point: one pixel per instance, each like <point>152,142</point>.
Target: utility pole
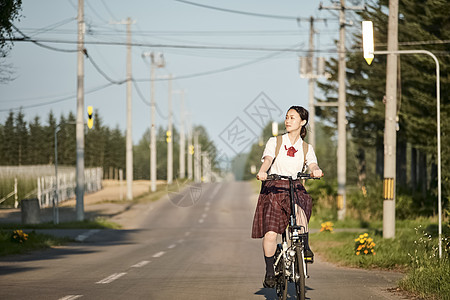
<point>311,85</point>
<point>390,131</point>
<point>152,127</point>
<point>307,71</point>
<point>129,137</point>
<point>197,160</point>
<point>182,137</point>
<point>79,190</point>
<point>156,60</point>
<point>342,120</point>
<point>170,137</point>
<point>190,151</point>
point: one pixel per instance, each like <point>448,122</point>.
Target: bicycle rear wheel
<point>300,276</point>
<point>281,285</point>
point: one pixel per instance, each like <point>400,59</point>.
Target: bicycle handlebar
<point>300,175</point>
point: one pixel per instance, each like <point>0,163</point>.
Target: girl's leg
<point>270,243</point>
<point>303,221</point>
<point>269,248</point>
<point>301,218</point>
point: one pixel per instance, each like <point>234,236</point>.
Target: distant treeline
<point>33,143</point>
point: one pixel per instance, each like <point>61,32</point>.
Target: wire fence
<point>23,182</point>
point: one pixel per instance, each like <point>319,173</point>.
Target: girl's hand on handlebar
<point>261,176</point>
<point>317,173</point>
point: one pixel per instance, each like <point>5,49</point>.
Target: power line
<point>108,10</point>
<point>118,82</point>
<point>271,55</point>
<point>52,27</point>
<point>239,48</point>
<point>57,100</point>
<point>27,38</point>
<point>213,33</point>
<point>248,13</point>
<point>95,12</point>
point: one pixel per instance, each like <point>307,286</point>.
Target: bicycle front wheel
<point>281,280</point>
<point>300,274</point>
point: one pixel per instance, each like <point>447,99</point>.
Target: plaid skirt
<point>273,208</point>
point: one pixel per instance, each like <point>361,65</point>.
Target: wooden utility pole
<point>342,120</point>
<point>390,131</point>
<point>79,190</point>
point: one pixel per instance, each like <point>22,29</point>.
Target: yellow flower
<point>357,253</point>
<point>365,251</point>
<point>366,235</point>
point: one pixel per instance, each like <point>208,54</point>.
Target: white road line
<point>111,278</point>
<point>208,203</point>
<point>85,235</point>
<point>140,264</point>
<point>201,221</point>
<point>187,233</point>
<point>159,254</point>
<point>204,216</point>
<point>71,297</point>
<point>172,246</point>
<point>206,208</point>
<point>180,241</point>
<point>216,189</point>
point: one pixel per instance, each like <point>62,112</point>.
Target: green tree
<point>422,25</point>
<point>9,12</point>
<point>49,132</point>
<point>8,146</point>
<point>95,143</point>
<point>36,145</point>
<point>21,138</point>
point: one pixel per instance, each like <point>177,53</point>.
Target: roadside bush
<point>429,275</point>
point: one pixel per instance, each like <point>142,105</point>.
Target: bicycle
<point>290,262</point>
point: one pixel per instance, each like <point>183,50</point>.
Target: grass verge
<point>34,241</point>
<point>97,223</point>
<point>413,251</point>
<point>23,243</point>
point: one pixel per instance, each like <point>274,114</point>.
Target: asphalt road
<point>192,245</point>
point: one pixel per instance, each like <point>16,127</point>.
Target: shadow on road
<point>270,294</point>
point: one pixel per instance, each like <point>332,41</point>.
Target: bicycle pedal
<point>309,260</point>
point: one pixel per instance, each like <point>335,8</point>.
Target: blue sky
<point>215,100</point>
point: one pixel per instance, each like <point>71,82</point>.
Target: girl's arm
<point>315,170</point>
<point>262,174</point>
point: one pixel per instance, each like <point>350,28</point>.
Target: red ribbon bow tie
<point>290,151</point>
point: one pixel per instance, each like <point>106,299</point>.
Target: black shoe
<point>309,256</point>
<point>269,281</point>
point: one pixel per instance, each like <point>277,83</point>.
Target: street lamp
<point>371,52</point>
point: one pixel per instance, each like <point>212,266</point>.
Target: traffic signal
<point>168,136</point>
<point>191,149</point>
<point>90,121</point>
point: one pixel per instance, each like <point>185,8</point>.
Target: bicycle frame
<point>288,257</point>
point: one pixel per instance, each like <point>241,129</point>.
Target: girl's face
<point>293,121</point>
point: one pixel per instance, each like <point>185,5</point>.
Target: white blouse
<point>284,164</point>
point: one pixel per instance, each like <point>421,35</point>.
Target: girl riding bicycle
<point>273,208</point>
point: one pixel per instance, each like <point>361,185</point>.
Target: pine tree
<point>8,145</point>
<point>36,146</point>
<point>49,132</point>
<point>22,136</point>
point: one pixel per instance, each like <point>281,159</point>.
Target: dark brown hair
<point>304,115</point>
